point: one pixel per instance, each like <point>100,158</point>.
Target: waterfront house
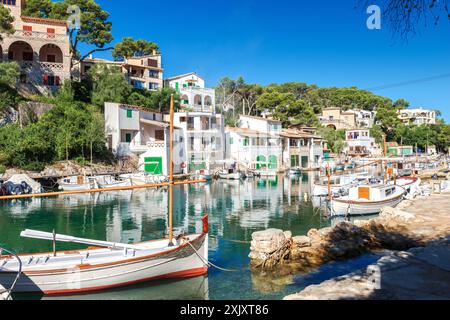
<point>144,72</point>
<point>194,95</point>
<point>40,47</point>
<point>359,143</point>
<point>301,149</point>
<point>393,149</point>
<point>417,116</point>
<point>203,128</point>
<point>142,132</point>
<point>255,143</point>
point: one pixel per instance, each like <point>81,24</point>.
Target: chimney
<point>154,52</point>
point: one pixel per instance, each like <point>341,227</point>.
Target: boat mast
<point>171,173</point>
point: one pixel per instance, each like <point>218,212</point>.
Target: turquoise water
<point>236,210</point>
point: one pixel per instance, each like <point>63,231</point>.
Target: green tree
<point>335,139</point>
<point>129,48</point>
<point>9,73</point>
<point>109,85</point>
<point>38,8</point>
<point>6,21</point>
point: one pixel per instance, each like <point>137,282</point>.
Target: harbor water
<point>236,209</point>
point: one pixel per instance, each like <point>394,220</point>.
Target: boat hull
<point>230,176</point>
<point>179,262</point>
<point>340,207</point>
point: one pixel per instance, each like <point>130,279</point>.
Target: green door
<point>153,165</point>
<point>273,162</point>
<point>260,162</point>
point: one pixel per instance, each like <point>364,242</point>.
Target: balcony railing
<point>44,66</point>
<point>23,34</point>
<point>197,108</point>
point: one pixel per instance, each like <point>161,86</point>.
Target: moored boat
<point>367,199</point>
<point>230,175</point>
<point>75,183</point>
<point>295,171</point>
<point>203,174</point>
<point>142,178</point>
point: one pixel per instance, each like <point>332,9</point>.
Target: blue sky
<point>318,42</point>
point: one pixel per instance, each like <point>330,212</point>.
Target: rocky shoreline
<point>414,223</point>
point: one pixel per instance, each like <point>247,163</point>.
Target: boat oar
<point>64,238</point>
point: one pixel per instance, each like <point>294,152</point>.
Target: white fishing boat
<point>408,182</point>
<point>230,175</point>
<point>112,266</point>
<point>367,199</point>
<point>108,182</point>
<point>75,183</point>
<point>143,178</point>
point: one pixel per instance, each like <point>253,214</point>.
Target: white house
<point>255,143</point>
<point>142,132</point>
<point>417,116</point>
<point>194,95</point>
<point>203,138</point>
<point>301,149</point>
<point>358,142</point>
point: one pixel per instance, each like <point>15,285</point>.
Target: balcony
<point>196,108</point>
<point>23,34</point>
<point>46,67</point>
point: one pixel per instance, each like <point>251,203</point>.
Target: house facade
<point>359,143</point>
<point>336,119</point>
<point>255,144</point>
<point>194,95</point>
<point>393,149</point>
<point>203,138</point>
<point>136,131</point>
<point>144,72</point>
<point>40,47</point>
<point>301,149</point>
<point>417,116</point>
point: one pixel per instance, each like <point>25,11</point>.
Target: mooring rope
<point>210,264</point>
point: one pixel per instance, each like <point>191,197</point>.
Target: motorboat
<point>109,182</point>
<point>75,183</point>
<point>143,178</point>
<point>230,175</point>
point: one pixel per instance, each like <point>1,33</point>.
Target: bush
<point>2,169</point>
<point>34,166</point>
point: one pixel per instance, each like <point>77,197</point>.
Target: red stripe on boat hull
<point>191,273</point>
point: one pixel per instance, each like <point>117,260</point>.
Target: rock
<point>302,241</point>
<point>288,235</point>
<point>313,233</point>
<point>389,212</point>
<point>267,241</point>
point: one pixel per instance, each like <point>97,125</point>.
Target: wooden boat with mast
<point>107,264</point>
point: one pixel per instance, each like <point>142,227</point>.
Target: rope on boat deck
<point>210,264</point>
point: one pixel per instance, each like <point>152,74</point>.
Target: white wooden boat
<point>367,199</point>
<point>108,182</point>
<point>113,265</point>
<point>228,175</point>
<point>142,178</point>
<point>409,182</point>
<point>266,173</point>
<point>75,183</point>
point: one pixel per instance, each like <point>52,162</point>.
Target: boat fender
<point>184,165</point>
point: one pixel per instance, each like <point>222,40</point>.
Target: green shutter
<point>128,137</point>
<point>129,113</point>
<point>231,140</point>
<point>176,86</point>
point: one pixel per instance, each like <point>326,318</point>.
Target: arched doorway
<point>331,126</point>
<point>20,51</point>
<point>50,53</point>
<point>208,101</point>
<point>185,100</point>
<point>198,100</point>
